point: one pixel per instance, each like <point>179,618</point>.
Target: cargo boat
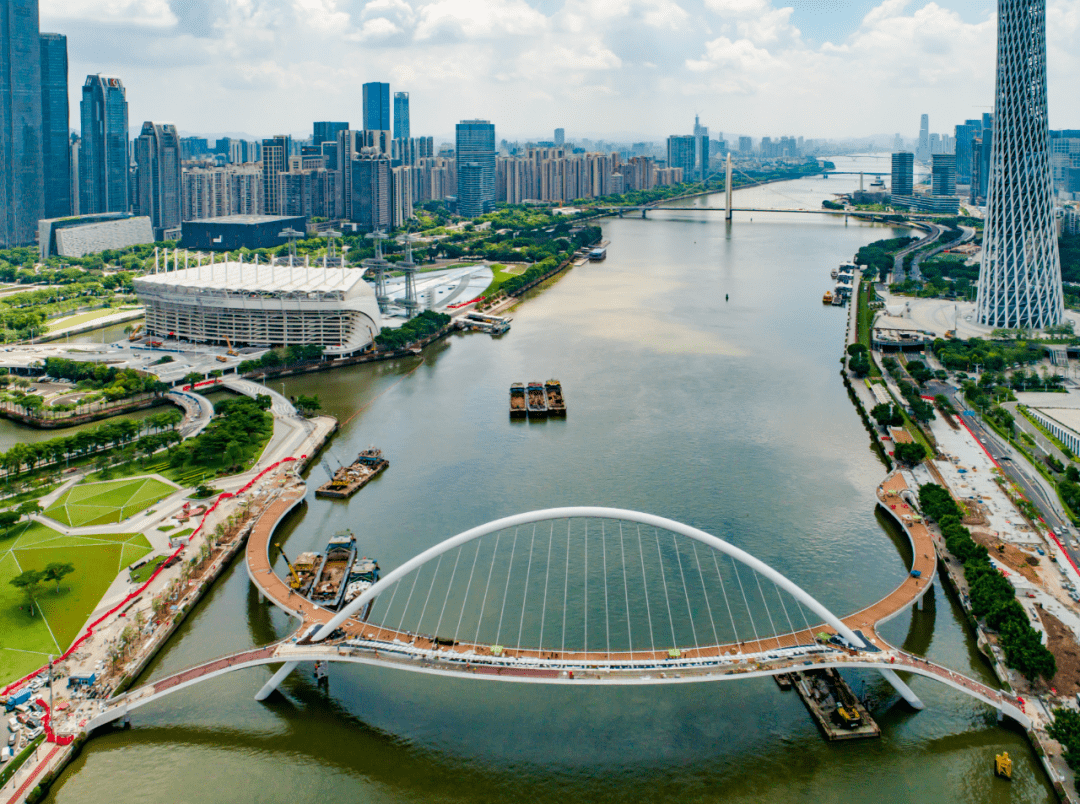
<point>350,479</point>
<point>364,573</point>
<point>556,405</point>
<point>304,571</point>
<point>827,298</point>
<point>517,401</point>
<point>328,590</point>
<point>537,401</point>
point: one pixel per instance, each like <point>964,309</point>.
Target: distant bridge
<point>855,213</point>
<point>584,596</point>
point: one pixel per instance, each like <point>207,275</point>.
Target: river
<point>727,415</point>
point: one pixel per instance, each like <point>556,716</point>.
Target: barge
<point>536,405</point>
<point>556,405</point>
<point>350,479</point>
<point>363,575</point>
<point>517,401</point>
<point>329,588</point>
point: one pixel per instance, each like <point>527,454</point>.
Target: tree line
<point>992,597</point>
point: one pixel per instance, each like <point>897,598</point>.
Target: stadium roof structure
<point>237,277</point>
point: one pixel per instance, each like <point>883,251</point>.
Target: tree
<point>883,413</point>
<point>193,377</point>
<point>308,405</point>
<point>29,507</point>
<point>910,453</point>
<point>28,581</point>
<point>57,571</point>
<point>9,518</point>
<point>1072,473</point>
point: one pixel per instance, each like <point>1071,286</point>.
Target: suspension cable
<point>802,611</point>
<point>487,587</point>
<point>506,591</point>
<point>705,594</point>
<point>390,605</point>
<point>607,614</point>
<point>765,603</point>
<point>626,592</point>
<point>547,579</point>
<point>742,588</point>
<point>586,585</point>
<point>723,591</point>
<point>566,589</point>
<point>524,599</point>
<point>784,607</point>
<point>468,586</point>
<point>645,586</point>
<point>667,600</point>
<point>449,586</point>
<point>423,611</point>
<point>416,577</point>
<point>686,591</point>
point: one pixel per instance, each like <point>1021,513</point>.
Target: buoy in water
<point>725,297</point>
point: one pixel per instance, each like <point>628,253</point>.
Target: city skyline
<point>744,64</point>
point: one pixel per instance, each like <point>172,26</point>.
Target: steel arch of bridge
<point>588,512</point>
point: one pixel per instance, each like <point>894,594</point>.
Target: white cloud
<point>130,12</point>
<point>462,20</point>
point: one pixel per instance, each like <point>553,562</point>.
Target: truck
<point>17,698</point>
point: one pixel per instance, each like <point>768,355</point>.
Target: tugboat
<point>350,479</point>
<point>329,588</point>
<point>827,298</point>
<point>556,405</point>
<point>517,401</point>
<point>537,401</point>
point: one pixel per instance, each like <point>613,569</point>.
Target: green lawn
<point>500,273</point>
<point>103,503</point>
<point>84,318</point>
<point>25,641</point>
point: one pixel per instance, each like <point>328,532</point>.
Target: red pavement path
<point>25,786</point>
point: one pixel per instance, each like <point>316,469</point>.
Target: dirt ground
<point>1013,557</point>
<point>1062,644</point>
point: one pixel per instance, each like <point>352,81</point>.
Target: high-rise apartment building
<point>943,175</point>
<point>475,154</point>
<point>103,157</point>
<point>401,116</point>
<point>376,106</point>
<point>55,146</point>
<point>372,188</point>
<point>275,160</point>
<point>746,145</point>
<point>21,162</point>
<point>680,154</point>
<point>157,156</point>
<point>703,155</point>
<point>560,137</point>
<point>1020,280</point>
<point>327,131</point>
<point>903,173</point>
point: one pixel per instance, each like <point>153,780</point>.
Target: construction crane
<point>230,351</point>
<point>295,582</point>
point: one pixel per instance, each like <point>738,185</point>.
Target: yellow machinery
<point>1003,765</point>
<point>849,717</point>
<point>294,580</point>
<point>230,351</point>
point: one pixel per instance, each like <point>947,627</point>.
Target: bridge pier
<point>903,689</point>
<point>277,678</point>
<point>643,213</point>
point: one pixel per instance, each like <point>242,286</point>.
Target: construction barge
<point>839,714</point>
<point>537,400</point>
<point>350,479</point>
<point>333,579</point>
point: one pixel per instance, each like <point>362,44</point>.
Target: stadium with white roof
<point>262,305</point>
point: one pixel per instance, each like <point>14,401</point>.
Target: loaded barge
<point>537,401</point>
<point>517,401</point>
<point>350,479</point>
<point>329,588</point>
<point>556,406</point>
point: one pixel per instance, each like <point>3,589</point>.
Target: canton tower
<point>1020,280</point>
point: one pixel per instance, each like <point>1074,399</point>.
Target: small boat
<point>1003,765</point>
<point>827,298</point>
<point>537,401</point>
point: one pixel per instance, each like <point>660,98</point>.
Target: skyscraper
<point>401,116</point>
<point>703,155</point>
<point>327,131</point>
<point>475,167</point>
<point>903,173</point>
<point>560,137</point>
<point>275,160</point>
<point>21,166</point>
<point>157,154</point>
<point>103,156</point>
<point>680,154</point>
<point>1020,280</point>
<point>922,153</point>
<point>943,175</point>
<point>376,103</point>
<point>55,146</point>
<point>965,136</point>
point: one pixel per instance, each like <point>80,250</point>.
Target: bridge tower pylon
<point>727,175</point>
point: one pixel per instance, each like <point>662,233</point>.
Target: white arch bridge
<point>576,596</point>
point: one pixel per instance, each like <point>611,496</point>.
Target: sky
<point>616,69</point>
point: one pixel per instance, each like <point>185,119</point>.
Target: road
<point>898,261</point>
<point>1015,466</point>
